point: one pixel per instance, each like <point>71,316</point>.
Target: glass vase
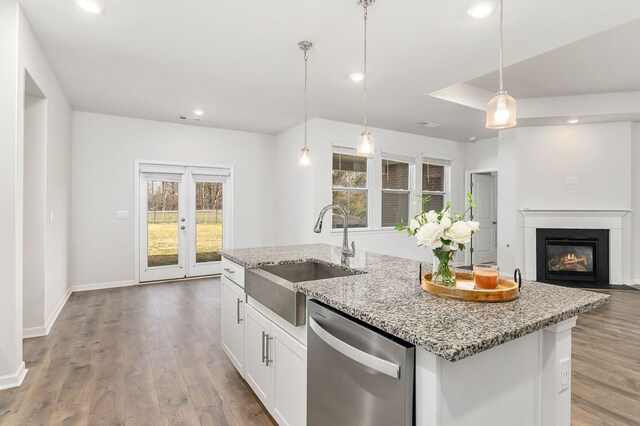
<point>443,272</point>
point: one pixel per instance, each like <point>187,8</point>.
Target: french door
<point>183,221</point>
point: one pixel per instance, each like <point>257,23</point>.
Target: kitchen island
<point>504,363</point>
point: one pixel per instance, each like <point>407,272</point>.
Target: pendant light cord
<point>501,54</point>
<point>364,80</point>
<point>306,98</point>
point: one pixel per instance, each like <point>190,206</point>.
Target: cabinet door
<point>232,320</point>
<point>289,379</point>
<point>257,372</point>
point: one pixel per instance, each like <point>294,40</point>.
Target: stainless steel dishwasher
<point>356,375</point>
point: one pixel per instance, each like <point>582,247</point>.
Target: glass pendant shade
<point>365,145</point>
<point>501,111</point>
<point>304,159</point>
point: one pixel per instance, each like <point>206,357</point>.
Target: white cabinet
<point>232,318</point>
<point>257,372</point>
<point>289,379</point>
<point>276,369</point>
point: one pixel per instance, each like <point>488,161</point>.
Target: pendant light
<point>305,159</point>
<point>365,145</point>
<point>501,111</point>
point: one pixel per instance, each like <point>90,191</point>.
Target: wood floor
<point>606,363</point>
<point>150,355</point>
<point>144,355</point>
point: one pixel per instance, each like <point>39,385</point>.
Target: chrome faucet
<point>346,251</point>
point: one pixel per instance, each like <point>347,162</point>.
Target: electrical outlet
<point>565,375</point>
<point>571,180</point>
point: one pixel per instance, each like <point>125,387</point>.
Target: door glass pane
<point>208,221</point>
<point>162,223</point>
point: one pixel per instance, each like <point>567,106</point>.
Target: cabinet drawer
<point>233,271</point>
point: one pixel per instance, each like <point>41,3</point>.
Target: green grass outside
<point>162,241</point>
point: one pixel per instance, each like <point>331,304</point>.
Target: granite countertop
<point>389,297</point>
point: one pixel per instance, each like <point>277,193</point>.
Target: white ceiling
<point>238,59</point>
<point>604,63</point>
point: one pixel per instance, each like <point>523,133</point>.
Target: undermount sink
<point>272,286</point>
<point>307,271</point>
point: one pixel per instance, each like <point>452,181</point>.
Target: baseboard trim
<point>15,379</point>
<point>30,332</point>
<point>102,286</point>
<point>41,331</point>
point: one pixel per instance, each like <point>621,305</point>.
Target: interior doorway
<point>484,244</point>
<point>184,219</point>
<point>34,208</point>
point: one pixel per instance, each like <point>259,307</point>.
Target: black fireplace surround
<point>573,256</point>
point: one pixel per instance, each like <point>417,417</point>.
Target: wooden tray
<point>507,290</point>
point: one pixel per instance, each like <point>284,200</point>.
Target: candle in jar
<point>486,276</point>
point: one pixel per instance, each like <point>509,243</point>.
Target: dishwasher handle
<point>378,364</point>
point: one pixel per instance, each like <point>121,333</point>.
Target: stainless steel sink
<point>272,286</point>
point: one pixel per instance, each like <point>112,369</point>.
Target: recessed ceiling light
<point>573,121</point>
<point>90,6</point>
<point>481,10</point>
<point>198,111</point>
<point>356,76</point>
<point>473,139</point>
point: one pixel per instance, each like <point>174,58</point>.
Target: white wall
<point>11,229</point>
<point>481,155</point>
<point>533,166</point>
<point>304,191</point>
<point>57,169</point>
<point>104,152</point>
<point>597,154</point>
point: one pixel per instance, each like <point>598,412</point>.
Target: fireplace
<point>573,256</point>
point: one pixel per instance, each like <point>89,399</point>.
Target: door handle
<point>378,364</point>
<point>264,357</point>
<point>238,319</point>
<point>268,354</point>
<point>183,227</point>
<point>182,219</point>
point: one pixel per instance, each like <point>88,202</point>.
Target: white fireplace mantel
<point>575,219</point>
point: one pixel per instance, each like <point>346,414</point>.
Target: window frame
<point>446,193</point>
<point>367,189</point>
<point>410,191</point>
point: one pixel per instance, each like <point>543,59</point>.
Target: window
<point>350,189</point>
<point>435,183</point>
<point>395,192</point>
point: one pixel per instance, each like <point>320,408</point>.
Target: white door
<point>484,243</point>
<point>183,221</point>
<point>163,227</point>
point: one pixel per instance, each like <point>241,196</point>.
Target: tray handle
<point>517,277</point>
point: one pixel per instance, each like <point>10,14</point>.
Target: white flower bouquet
<point>444,234</point>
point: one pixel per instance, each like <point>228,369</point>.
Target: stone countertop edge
<point>441,342</point>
